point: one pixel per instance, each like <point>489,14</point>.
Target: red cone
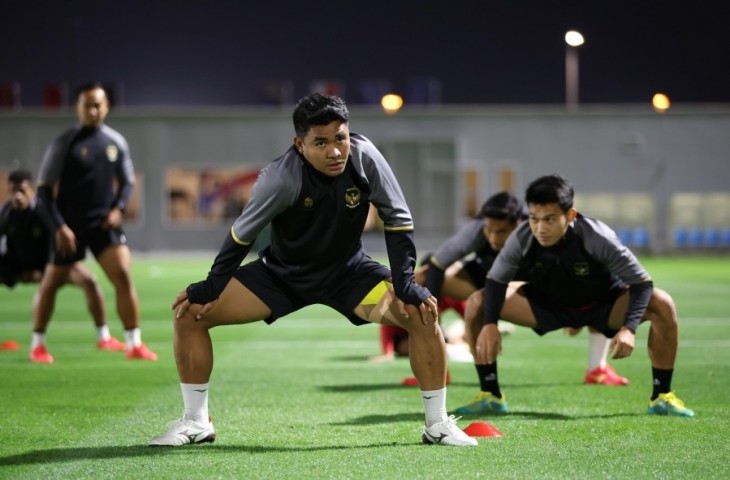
<point>482,429</point>
<point>9,345</point>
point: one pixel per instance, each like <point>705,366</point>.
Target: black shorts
<point>551,316</point>
<point>96,239</point>
<point>346,294</point>
<point>477,272</point>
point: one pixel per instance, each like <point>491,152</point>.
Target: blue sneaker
<point>669,404</point>
<point>485,402</point>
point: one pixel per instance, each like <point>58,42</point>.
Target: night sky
<point>195,52</point>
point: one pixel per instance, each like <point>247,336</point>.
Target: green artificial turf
<point>299,400</point>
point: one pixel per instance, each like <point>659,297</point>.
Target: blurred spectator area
<point>695,220</point>
<point>699,220</point>
<point>207,195</point>
<point>631,215</point>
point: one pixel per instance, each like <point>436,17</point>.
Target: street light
<point>573,40</point>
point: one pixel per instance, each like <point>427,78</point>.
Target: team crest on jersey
<point>581,269</point>
<point>84,152</point>
<point>112,153</point>
<point>352,197</point>
<point>308,203</point>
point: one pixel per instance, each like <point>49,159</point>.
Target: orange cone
<point>9,345</point>
<point>482,429</point>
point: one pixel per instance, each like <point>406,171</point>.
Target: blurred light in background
<point>660,102</point>
<point>574,38</point>
<point>391,103</point>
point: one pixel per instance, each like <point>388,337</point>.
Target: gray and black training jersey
<point>581,269</point>
<point>468,240</point>
<point>317,221</point>
<point>85,162</point>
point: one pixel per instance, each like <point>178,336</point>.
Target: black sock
<point>488,379</point>
<point>662,382</point>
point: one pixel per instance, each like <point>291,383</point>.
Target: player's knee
<point>187,321</point>
<point>473,308</point>
<point>662,307</point>
<point>416,327</point>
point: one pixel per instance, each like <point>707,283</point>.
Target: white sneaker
<point>447,433</point>
<point>182,432</point>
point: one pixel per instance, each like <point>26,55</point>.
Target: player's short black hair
<point>550,189</point>
<point>318,109</point>
<point>91,86</point>
<point>501,206</point>
<point>20,176</point>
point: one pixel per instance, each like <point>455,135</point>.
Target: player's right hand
<point>427,311</point>
<point>182,304</point>
<point>488,344</point>
<point>65,241</point>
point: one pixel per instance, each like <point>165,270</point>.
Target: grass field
<point>298,400</point>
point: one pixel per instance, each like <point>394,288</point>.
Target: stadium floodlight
<point>573,40</point>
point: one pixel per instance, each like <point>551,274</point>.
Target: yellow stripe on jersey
<point>402,228</point>
<point>238,240</point>
<point>374,296</point>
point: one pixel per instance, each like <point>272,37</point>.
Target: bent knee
<point>662,307</point>
<point>189,321</point>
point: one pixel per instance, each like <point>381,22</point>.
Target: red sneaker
<point>10,345</point>
<point>40,355</point>
<point>111,344</point>
<point>605,376</point>
<point>141,352</point>
<point>413,382</point>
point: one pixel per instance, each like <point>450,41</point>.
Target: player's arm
<point>603,244</point>
<point>463,242</point>
<point>271,194</point>
<point>50,175</point>
<point>387,196</point>
<point>230,256</point>
<point>4,218</point>
<point>502,271</point>
<point>124,174</point>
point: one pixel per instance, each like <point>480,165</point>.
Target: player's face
<point>326,147</point>
<point>92,107</point>
<point>496,232</point>
<point>549,222</point>
<point>22,194</point>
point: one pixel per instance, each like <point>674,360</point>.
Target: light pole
<point>573,40</point>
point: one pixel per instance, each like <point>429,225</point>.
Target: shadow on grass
<point>61,455</point>
<point>516,415</point>
<point>367,387</point>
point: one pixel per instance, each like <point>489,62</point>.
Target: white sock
<point>39,338</point>
<point>133,337</point>
<point>597,350</point>
<point>434,402</point>
<point>195,400</point>
<point>102,333</point>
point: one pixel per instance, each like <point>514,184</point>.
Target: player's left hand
<point>113,219</point>
<point>488,345</point>
<point>622,344</point>
<point>427,311</point>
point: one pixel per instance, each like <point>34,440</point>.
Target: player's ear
<point>298,144</point>
<point>572,214</point>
